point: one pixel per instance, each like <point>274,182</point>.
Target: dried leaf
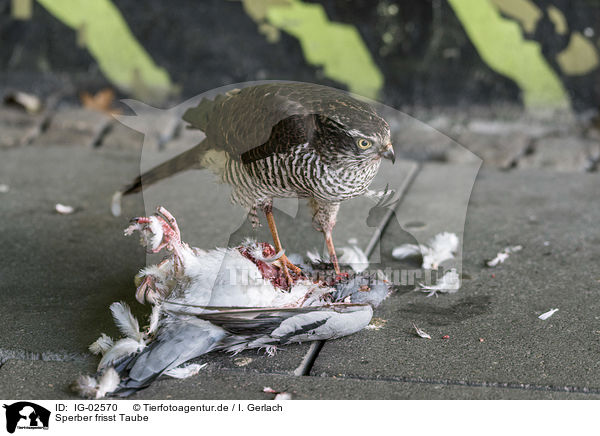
<point>101,101</point>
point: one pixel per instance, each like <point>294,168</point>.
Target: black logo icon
<point>26,415</point>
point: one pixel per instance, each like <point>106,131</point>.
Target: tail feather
<point>182,162</point>
<point>180,343</point>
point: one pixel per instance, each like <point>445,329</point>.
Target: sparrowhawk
<point>285,139</point>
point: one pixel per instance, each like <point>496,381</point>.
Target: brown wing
<point>270,118</point>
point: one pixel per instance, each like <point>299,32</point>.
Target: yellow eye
<point>363,143</point>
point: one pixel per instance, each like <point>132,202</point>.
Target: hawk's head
<point>352,133</point>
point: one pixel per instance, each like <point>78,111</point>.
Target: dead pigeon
<point>225,299</point>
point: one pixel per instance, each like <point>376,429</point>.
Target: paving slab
<point>492,322</point>
<point>53,378</point>
<point>60,272</point>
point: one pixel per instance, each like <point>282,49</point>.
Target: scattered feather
<point>125,321</point>
<point>355,257</point>
<point>448,284</point>
<point>278,395</point>
<point>64,209</point>
<point>115,204</point>
<point>102,344</point>
<point>314,257</point>
<point>154,318</point>
<point>86,386</point>
<point>351,255</point>
<point>4,188</point>
<point>421,333</point>
<point>122,348</point>
<point>187,371</point>
<point>548,314</point>
<point>503,255</point>
<point>109,381</point>
<point>440,248</point>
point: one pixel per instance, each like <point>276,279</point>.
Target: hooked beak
<point>387,152</point>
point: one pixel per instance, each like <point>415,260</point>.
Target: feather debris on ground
<point>421,333</point>
<point>448,284</point>
<point>4,188</point>
<point>546,315</point>
<point>279,396</point>
<point>351,255</point>
<point>225,299</point>
<point>440,248</point>
<point>64,209</point>
<point>503,255</point>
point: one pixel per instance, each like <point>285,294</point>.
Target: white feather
<point>313,256</point>
<point>548,314</point>
<point>448,284</point>
<point>86,386</point>
<point>503,255</point>
<point>156,236</point>
<point>421,333</point>
<point>440,248</point>
<point>185,371</point>
<point>102,344</point>
<point>115,205</point>
<point>125,321</point>
<point>355,257</point>
<point>64,209</point>
<point>407,250</point>
<point>108,382</point>
<point>154,318</point>
<point>122,348</point>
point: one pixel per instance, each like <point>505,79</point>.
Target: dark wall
<point>422,49</point>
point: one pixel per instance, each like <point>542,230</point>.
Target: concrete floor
<point>60,273</point>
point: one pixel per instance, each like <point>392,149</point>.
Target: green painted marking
<point>105,33</point>
<point>338,47</point>
<point>21,9</point>
<point>501,45</point>
<point>579,57</point>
